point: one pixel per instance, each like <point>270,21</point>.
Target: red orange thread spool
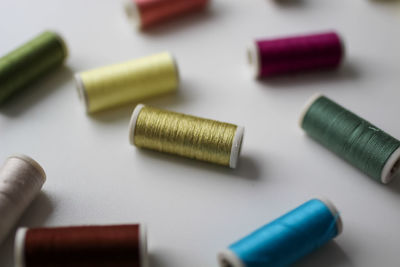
<point>82,246</point>
<point>295,54</point>
<point>146,13</point>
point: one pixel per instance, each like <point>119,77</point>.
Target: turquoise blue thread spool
<point>286,239</point>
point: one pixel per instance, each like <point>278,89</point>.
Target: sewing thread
<point>109,245</point>
<point>286,239</point>
<point>186,135</point>
<point>128,82</point>
<point>295,54</point>
<point>21,179</point>
<point>147,13</point>
<point>29,62</point>
<point>354,139</point>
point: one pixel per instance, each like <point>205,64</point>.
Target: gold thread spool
<point>185,135</point>
<point>131,81</point>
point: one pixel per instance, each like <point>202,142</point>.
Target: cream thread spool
<point>127,82</point>
<point>185,135</point>
<point>21,179</point>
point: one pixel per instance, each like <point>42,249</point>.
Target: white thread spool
<point>21,179</point>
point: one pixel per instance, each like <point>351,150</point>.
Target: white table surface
<point>194,209</point>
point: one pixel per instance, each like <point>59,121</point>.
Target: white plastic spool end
<point>19,247</point>
<point>307,106</point>
<point>391,168</point>
<point>133,14</point>
<point>227,258</point>
<point>253,57</point>
<point>144,262</point>
<point>80,86</point>
<point>236,147</point>
<point>132,123</point>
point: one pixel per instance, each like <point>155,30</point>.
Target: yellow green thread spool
<point>185,135</point>
<point>127,82</point>
<point>29,62</point>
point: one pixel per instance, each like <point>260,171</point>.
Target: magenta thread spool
<point>273,57</point>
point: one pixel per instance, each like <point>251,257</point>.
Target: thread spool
<point>295,54</point>
<point>21,179</point>
<point>113,246</point>
<point>185,135</point>
<point>286,239</point>
<point>354,139</point>
<point>147,13</point>
<point>123,83</point>
<point>29,62</point>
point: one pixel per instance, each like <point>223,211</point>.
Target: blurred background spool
<point>112,246</point>
<point>147,13</point>
<point>286,239</point>
<point>21,179</point>
<point>186,135</point>
<point>295,54</point>
<point>354,139</point>
<point>128,82</point>
<point>29,62</point>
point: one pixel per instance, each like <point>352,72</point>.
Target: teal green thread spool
<point>29,62</point>
<point>356,140</point>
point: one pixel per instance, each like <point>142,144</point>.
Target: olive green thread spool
<point>185,135</point>
<point>30,62</point>
<point>354,139</point>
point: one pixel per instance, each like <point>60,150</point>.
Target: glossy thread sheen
<point>153,12</point>
<point>288,238</point>
<point>299,53</point>
<point>184,135</point>
<point>29,62</point>
<point>128,82</point>
<point>83,246</point>
<point>359,142</point>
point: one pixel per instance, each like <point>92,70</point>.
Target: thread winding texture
<point>81,246</point>
<point>21,179</point>
<point>29,62</point>
<point>185,135</point>
<point>356,140</point>
<point>127,82</point>
<point>295,54</point>
<point>147,13</point>
<point>286,239</point>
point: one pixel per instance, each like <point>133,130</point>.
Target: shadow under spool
<point>286,239</point>
<point>82,246</point>
<point>354,139</point>
<point>186,135</point>
<point>21,179</point>
<point>147,13</point>
<point>272,57</point>
<point>29,62</point>
<point>123,83</point>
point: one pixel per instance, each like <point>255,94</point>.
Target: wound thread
<point>21,179</point>
<point>185,135</point>
<point>354,139</point>
<point>81,246</point>
<point>279,56</point>
<point>128,82</point>
<point>148,13</point>
<point>29,62</point>
<point>286,239</point>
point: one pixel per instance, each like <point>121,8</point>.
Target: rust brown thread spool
<point>82,246</point>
